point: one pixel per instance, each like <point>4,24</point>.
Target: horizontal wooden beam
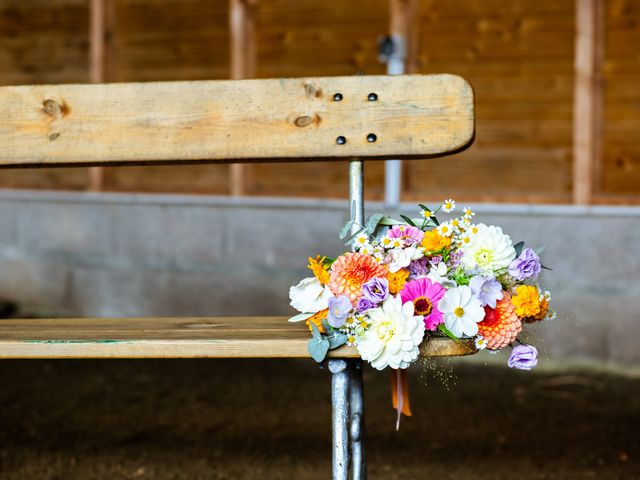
<point>222,337</point>
<point>235,121</point>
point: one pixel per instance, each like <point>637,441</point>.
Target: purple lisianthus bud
<point>523,357</point>
<point>376,290</point>
<point>365,304</point>
<point>525,266</point>
<point>486,289</point>
<point>339,308</point>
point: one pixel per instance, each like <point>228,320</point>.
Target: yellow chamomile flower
<point>366,249</point>
<point>456,224</point>
<point>396,243</point>
<point>386,242</point>
<point>445,229</point>
<point>464,239</point>
<point>480,342</point>
<point>449,205</point>
<point>467,213</point>
<point>426,213</point>
<point>472,230</point>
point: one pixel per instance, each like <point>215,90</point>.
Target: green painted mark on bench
<point>74,341</point>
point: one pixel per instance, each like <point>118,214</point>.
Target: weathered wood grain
<point>223,337</point>
<point>244,120</point>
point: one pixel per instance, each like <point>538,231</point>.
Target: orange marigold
<point>352,270</point>
<point>397,280</point>
<point>501,325</point>
<point>316,265</point>
<point>544,309</point>
<point>527,301</point>
<point>432,241</point>
<point>317,320</point>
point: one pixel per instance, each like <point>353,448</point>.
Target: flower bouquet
<point>406,280</point>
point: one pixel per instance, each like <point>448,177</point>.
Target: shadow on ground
<point>247,419</point>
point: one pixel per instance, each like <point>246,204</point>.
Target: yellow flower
<point>527,301</point>
<point>316,265</point>
<point>397,280</point>
<point>317,320</point>
<point>544,309</point>
<point>432,241</point>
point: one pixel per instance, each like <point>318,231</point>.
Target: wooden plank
<point>243,65</point>
<point>587,109</point>
<point>223,337</point>
<point>246,120</point>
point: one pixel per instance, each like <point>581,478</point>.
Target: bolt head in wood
<point>371,137</point>
<point>341,140</point>
<point>337,97</point>
<point>373,97</point>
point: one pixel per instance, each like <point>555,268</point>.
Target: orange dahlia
<point>501,325</point>
<point>352,270</point>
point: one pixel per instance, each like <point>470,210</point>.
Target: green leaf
<point>372,222</point>
<point>388,221</point>
<point>435,221</point>
<point>300,317</point>
<point>518,247</point>
<point>408,220</point>
<point>424,207</point>
<point>336,340</point>
<point>345,229</point>
<point>448,333</point>
<point>318,348</point>
<point>354,235</point>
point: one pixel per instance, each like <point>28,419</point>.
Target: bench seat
<point>171,337</point>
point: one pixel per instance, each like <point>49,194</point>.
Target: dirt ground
<point>246,419</point>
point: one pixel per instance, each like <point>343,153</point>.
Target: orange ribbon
<point>400,394</point>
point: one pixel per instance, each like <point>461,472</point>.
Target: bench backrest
<point>369,117</point>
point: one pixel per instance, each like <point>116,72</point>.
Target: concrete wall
<point>84,254</point>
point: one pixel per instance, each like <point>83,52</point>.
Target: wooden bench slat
<point>209,337</point>
<point>234,121</point>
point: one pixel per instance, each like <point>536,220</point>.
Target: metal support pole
<point>356,193</point>
<point>340,400</point>
<point>358,433</point>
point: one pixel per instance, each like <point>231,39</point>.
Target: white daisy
<point>360,240</point>
<point>445,229</point>
<point>426,213</point>
<point>386,242</point>
<point>481,343</point>
<point>397,243</point>
<point>467,213</point>
<point>449,205</point>
<point>461,311</point>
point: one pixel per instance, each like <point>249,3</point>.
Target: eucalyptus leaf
<point>336,340</point>
<point>318,348</point>
<point>540,250</point>
<point>300,317</point>
<point>353,235</point>
<point>518,247</point>
<point>372,222</point>
<point>345,229</point>
<point>546,268</point>
<point>314,331</point>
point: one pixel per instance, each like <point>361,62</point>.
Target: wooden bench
<point>334,118</point>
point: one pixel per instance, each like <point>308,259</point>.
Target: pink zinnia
<point>425,296</point>
<point>406,232</point>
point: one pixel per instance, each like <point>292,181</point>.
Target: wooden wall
<point>518,54</point>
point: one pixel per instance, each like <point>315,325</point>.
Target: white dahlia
<point>487,250</point>
<point>393,336</point>
<point>310,296</point>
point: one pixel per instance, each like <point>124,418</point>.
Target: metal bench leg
<point>340,400</point>
<point>358,432</point>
